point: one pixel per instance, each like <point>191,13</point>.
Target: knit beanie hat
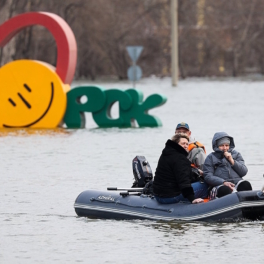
<point>221,141</point>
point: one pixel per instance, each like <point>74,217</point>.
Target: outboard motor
<point>142,171</point>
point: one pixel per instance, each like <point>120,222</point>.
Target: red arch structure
<point>62,33</point>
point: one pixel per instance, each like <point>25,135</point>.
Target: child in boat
<point>172,181</point>
<point>225,167</point>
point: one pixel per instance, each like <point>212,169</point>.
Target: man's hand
<point>228,156</point>
<point>229,184</point>
<point>198,200</point>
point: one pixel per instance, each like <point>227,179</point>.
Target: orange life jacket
<point>193,145</point>
<point>196,144</point>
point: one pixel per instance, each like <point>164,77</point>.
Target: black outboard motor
<point>142,171</point>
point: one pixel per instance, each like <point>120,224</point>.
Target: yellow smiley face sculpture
<point>31,95</point>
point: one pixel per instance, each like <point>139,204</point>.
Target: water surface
<point>43,171</point>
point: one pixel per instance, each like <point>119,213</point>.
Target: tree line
<point>216,38</point>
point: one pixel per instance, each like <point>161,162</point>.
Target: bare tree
<point>215,37</point>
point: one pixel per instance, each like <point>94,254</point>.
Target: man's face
<point>224,147</point>
<point>183,130</point>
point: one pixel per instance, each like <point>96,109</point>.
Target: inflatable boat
<point>126,204</point>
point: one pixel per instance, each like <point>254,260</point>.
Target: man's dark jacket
<point>173,173</point>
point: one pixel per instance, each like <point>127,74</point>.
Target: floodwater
<point>43,171</point>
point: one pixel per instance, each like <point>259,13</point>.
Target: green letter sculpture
<point>139,109</point>
<point>74,116</point>
<point>103,117</point>
<point>131,107</point>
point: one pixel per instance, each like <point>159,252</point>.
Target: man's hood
<point>219,135</point>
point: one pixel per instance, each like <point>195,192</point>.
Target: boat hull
<point>112,205</point>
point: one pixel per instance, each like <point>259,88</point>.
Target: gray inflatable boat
<point>125,205</point>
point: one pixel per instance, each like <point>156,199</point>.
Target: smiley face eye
<point>11,101</point>
<point>27,87</point>
<point>24,100</point>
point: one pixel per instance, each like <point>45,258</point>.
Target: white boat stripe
<point>157,217</point>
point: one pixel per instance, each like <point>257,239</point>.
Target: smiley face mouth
<point>29,106</point>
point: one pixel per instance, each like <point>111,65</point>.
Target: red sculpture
<point>64,37</point>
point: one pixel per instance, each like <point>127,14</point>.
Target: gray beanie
<point>221,141</point>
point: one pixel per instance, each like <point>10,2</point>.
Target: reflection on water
<point>180,228</point>
<point>44,170</point>
<point>4,132</point>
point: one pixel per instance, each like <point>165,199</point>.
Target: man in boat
<point>225,167</point>
<point>173,178</point>
<point>197,153</point>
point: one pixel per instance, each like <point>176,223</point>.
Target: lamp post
<point>174,42</point>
